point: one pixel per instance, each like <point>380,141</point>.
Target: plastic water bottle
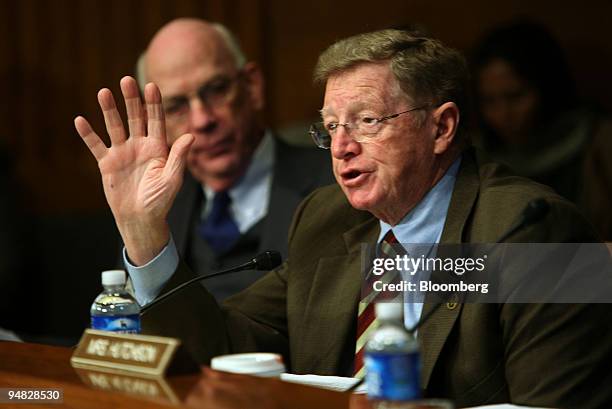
<point>392,359</point>
<point>115,309</point>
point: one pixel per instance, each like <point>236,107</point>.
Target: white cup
<point>262,364</point>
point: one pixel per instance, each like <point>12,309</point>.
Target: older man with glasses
<point>393,117</point>
<point>243,182</point>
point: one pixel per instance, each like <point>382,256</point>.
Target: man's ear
<point>446,118</point>
<point>255,85</point>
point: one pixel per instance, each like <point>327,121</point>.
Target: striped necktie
<point>366,318</point>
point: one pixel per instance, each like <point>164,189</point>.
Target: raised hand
<point>140,175</point>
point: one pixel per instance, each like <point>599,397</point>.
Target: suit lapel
<point>185,211</point>
<point>283,202</point>
<point>331,310</point>
<point>434,333</point>
<point>289,187</point>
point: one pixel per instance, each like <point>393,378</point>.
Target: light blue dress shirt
<point>251,195</point>
<point>250,200</point>
<point>422,227</point>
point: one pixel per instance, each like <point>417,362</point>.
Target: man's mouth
<point>213,149</point>
<point>353,177</point>
<point>352,174</point>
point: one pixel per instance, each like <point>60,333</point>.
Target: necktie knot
<point>221,199</point>
<point>219,229</point>
<point>390,237</point>
<point>389,246</point>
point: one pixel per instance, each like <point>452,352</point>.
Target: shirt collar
<point>250,195</point>
<point>425,222</point>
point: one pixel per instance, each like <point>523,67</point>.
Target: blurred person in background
<point>530,118</point>
<point>243,182</point>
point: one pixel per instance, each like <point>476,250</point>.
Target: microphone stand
<point>264,261</point>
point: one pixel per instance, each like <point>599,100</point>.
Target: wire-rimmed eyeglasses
<point>214,93</point>
<point>360,129</point>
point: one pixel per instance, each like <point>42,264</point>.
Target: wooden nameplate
<point>142,354</point>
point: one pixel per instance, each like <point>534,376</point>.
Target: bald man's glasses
<point>214,94</point>
<point>360,129</point>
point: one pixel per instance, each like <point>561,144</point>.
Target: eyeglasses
<point>360,129</point>
<point>215,93</point>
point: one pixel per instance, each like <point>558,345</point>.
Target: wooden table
<point>25,365</point>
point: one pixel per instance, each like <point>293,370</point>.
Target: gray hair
<point>232,44</point>
<point>228,38</point>
<point>428,72</point>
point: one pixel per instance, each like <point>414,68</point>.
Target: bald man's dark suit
<point>297,171</point>
<point>549,355</point>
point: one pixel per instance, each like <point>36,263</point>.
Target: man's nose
<point>343,146</point>
<point>201,116</point>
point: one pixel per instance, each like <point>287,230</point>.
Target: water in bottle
<point>392,359</point>
<point>115,309</point>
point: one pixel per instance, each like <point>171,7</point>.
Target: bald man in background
<point>243,183</point>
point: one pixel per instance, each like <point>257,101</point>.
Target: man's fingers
<point>114,126</point>
<point>91,139</point>
<point>175,166</point>
<point>133,106</point>
<point>156,125</point>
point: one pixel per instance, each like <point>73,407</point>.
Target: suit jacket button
<point>451,305</point>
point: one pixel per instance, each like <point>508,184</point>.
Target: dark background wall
<point>56,54</point>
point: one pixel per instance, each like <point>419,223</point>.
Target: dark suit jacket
<point>537,354</point>
<point>297,172</point>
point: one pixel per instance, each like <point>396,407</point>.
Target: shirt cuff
<point>149,279</point>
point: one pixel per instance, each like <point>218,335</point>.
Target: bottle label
<point>393,376</point>
<point>125,324</point>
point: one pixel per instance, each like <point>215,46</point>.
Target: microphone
<point>532,213</point>
<point>264,261</point>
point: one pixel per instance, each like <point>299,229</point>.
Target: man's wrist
<point>149,279</point>
<point>143,241</point>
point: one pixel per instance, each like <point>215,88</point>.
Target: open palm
<point>140,175</point>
